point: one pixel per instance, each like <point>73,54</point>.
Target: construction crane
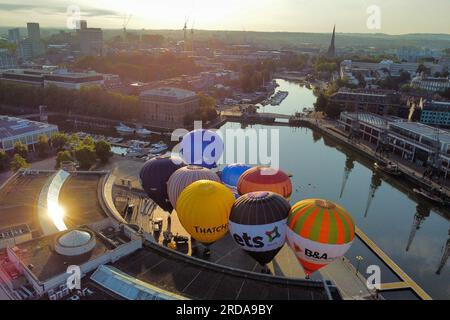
<point>374,185</point>
<point>446,254</point>
<point>186,20</point>
<point>126,21</point>
<point>192,36</point>
<point>349,165</point>
<point>422,212</point>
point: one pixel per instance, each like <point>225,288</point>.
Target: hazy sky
<point>397,16</point>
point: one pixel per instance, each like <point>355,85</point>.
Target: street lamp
<point>359,258</point>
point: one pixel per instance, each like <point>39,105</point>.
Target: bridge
<point>262,115</point>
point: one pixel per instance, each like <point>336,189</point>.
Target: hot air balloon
<point>204,208</point>
<point>230,176</point>
<point>183,177</point>
<point>258,224</point>
<point>154,176</point>
<point>265,179</point>
<point>319,231</point>
<point>202,147</point>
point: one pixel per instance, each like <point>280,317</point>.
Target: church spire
<point>332,48</point>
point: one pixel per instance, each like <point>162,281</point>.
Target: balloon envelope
<point>231,173</point>
<point>204,208</point>
<point>319,231</point>
<point>258,224</point>
<point>154,176</point>
<point>265,179</point>
<point>202,147</point>
<point>183,177</point>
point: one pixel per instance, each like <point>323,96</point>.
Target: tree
<point>21,149</point>
<point>74,140</point>
<point>42,145</point>
<point>103,150</point>
<point>3,159</point>
<point>422,68</point>
<point>321,103</point>
<point>59,140</point>
<point>18,162</point>
<point>63,156</point>
<point>85,155</point>
<point>88,141</point>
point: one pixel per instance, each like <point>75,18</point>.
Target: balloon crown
<point>194,167</point>
<point>325,204</point>
<point>258,195</point>
<point>206,187</point>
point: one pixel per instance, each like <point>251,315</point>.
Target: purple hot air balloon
<point>154,176</point>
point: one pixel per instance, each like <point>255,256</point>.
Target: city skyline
<point>350,16</point>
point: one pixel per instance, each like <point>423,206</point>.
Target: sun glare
<point>56,214</point>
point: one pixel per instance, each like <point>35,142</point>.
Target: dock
<point>406,283</point>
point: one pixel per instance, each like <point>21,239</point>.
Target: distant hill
<point>292,39</point>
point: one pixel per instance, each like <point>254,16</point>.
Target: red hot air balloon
<point>265,179</point>
<point>319,232</point>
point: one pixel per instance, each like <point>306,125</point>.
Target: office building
<point>380,102</point>
<point>90,39</point>
<point>34,36</point>
<point>436,113</point>
<point>168,106</point>
<point>59,78</point>
<point>14,35</point>
<point>7,59</point>
<point>432,84</point>
<point>13,130</point>
<point>412,141</point>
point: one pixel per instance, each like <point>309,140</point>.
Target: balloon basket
<point>206,252</point>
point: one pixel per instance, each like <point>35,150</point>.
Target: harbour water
<point>407,229</point>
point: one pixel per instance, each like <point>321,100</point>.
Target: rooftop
<point>373,119</point>
<point>197,279</point>
<point>39,256</point>
<point>424,130</point>
<point>169,93</point>
<point>11,127</point>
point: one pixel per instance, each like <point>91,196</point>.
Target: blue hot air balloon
<point>230,176</point>
<point>202,147</point>
<point>154,176</point>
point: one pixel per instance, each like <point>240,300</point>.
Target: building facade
<point>7,59</point>
<point>168,106</point>
<point>59,78</point>
<point>380,102</point>
<point>13,130</point>
<point>90,39</point>
<point>432,84</point>
<point>14,35</point>
<point>436,113</point>
<point>34,36</point>
<point>412,141</point>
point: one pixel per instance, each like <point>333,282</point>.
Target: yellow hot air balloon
<point>204,208</point>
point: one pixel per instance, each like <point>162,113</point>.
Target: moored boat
<point>124,130</point>
<point>142,132</point>
<point>389,168</point>
<point>429,195</point>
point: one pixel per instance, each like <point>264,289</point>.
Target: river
<point>385,209</point>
